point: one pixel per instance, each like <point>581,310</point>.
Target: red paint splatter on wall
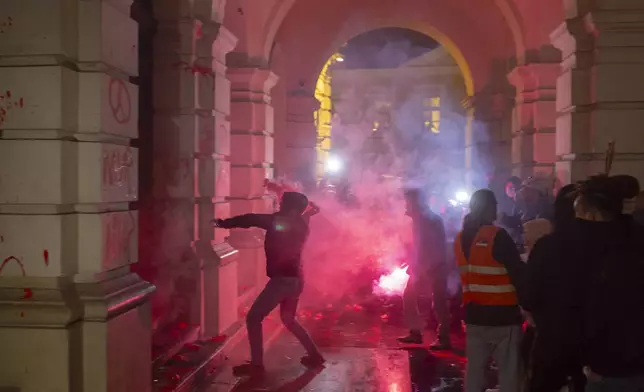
<point>28,294</point>
<point>194,69</point>
<point>45,255</point>
<point>7,104</point>
<point>198,30</point>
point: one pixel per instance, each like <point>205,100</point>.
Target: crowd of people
<point>552,287</point>
<point>580,287</point>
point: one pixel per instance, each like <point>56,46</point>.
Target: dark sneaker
<point>248,370</point>
<point>441,345</point>
<point>312,361</point>
<point>413,338</point>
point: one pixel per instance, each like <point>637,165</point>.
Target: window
<point>432,114</point>
<point>434,102</point>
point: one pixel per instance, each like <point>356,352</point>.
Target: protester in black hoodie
<point>286,233</point>
<point>554,299</point>
<point>614,258</point>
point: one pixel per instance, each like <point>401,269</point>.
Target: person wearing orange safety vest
<point>491,271</point>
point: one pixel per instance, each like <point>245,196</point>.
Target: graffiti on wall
<point>118,230</point>
<point>18,262</point>
<point>8,103</point>
<point>117,170</point>
<point>120,101</point>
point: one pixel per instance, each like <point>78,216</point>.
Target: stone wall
<point>69,303</point>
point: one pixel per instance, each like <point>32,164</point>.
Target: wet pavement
<point>362,356</point>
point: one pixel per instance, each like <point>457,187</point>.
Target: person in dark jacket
<point>427,266</point>
<point>638,214</point>
<point>492,275</point>
<point>532,201</point>
<point>553,299</point>
<point>286,233</point>
<point>614,296</point>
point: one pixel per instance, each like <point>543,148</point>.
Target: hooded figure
<point>286,233</point>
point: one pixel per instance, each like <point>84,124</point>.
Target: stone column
<point>487,146</point>
<point>301,159</point>
<point>534,118</point>
<point>600,92</point>
<point>251,162</point>
<point>73,315</point>
<point>194,268</point>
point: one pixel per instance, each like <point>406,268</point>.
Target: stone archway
<point>410,92</point>
<point>69,162</point>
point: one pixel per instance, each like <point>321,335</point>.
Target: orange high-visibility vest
<point>485,280</point>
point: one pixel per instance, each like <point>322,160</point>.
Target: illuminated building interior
<point>324,115</point>
<point>126,126</point>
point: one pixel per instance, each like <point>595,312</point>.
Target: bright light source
<point>462,196</point>
<point>393,283</point>
<point>454,203</point>
<point>340,59</point>
<point>333,165</point>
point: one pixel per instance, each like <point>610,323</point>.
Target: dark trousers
<point>552,367</point>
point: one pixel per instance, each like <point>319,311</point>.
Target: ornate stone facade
<point>127,126</point>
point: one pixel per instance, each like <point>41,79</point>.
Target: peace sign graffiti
<point>120,102</point>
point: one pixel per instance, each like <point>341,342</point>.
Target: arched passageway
<point>133,117</point>
<point>386,96</point>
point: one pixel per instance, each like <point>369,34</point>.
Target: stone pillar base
<point>76,336</point>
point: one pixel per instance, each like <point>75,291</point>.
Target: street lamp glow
<point>462,196</point>
<point>334,165</point>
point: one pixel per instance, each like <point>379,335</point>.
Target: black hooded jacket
<point>586,293</point>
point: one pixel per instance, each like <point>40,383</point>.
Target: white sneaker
<point>492,390</point>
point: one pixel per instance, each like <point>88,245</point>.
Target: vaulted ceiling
<point>480,35</point>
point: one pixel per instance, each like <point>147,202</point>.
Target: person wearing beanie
<point>492,276</point>
<point>286,233</point>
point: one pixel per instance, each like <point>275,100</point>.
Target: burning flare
<point>393,283</point>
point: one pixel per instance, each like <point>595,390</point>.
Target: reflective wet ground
<point>362,356</point>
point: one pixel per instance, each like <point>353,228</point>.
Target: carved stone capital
<point>251,79</point>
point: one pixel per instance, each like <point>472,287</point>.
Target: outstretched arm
<point>263,221</point>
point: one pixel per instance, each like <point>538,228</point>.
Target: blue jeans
<point>606,384</point>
